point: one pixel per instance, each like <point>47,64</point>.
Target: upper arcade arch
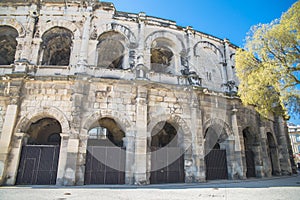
<point>56,46</point>
<point>8,44</point>
<point>14,24</point>
<point>61,23</point>
<point>130,36</point>
<point>210,46</point>
<point>111,50</point>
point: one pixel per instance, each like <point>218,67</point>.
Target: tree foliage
<point>269,69</point>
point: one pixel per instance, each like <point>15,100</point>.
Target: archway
<point>106,155</point>
<point>8,45</point>
<point>40,152</point>
<point>167,157</point>
<point>273,154</point>
<point>215,146</point>
<point>249,144</point>
<point>162,56</point>
<point>111,50</point>
<point>56,47</point>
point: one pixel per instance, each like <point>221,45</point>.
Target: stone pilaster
<point>83,57</point>
<point>129,168</point>
<point>197,143</point>
<point>238,168</point>
<point>15,152</point>
<point>67,161</point>
<point>6,138</point>
<point>228,66</point>
<point>284,158</point>
<point>141,137</point>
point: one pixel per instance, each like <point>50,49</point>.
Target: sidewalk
<point>275,188</point>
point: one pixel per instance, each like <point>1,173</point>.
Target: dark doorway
<point>215,158</point>
<point>38,165</point>
<point>39,156</point>
<point>272,153</point>
<point>216,164</point>
<point>106,156</point>
<point>167,159</point>
<point>249,141</point>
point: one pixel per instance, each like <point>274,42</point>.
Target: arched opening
<point>56,47</point>
<point>162,56</point>
<point>249,144</point>
<point>215,153</point>
<point>111,50</point>
<point>272,154</point>
<point>8,45</point>
<point>105,158</point>
<point>167,157</point>
<point>40,153</point>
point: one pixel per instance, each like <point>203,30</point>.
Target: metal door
<point>250,164</point>
<point>167,170</point>
<point>216,165</point>
<point>105,165</point>
<point>38,165</point>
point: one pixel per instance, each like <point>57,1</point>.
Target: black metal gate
<point>165,168</point>
<point>216,165</point>
<point>38,165</point>
<point>250,164</point>
<point>105,165</point>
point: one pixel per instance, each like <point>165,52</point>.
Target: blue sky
<point>230,19</point>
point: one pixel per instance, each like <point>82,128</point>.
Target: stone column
<point>141,137</point>
<point>66,174</point>
<point>62,158</point>
<point>35,50</point>
<point>229,64</point>
<point>15,154</point>
<point>284,159</point>
<point>238,168</point>
<point>197,143</point>
<point>129,168</point>
<point>267,166</point>
<point>6,137</point>
<point>82,62</point>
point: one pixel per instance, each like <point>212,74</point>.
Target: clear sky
<point>230,19</point>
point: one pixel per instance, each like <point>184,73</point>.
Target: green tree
<point>269,69</point>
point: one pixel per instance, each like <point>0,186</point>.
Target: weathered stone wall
<point>189,83</point>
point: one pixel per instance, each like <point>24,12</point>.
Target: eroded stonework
<point>84,77</point>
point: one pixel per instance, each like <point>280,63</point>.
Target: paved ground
<point>283,188</point>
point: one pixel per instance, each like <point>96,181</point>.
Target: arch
<point>111,50</point>
<point>208,45</point>
<point>218,123</point>
<point>56,46</point>
<point>120,119</point>
<point>8,44</point>
<point>174,120</point>
<point>64,24</point>
<point>118,28</point>
<point>165,34</point>
<point>15,24</point>
<point>33,116</point>
<point>168,150</point>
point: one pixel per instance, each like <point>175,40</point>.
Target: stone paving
<point>283,188</point>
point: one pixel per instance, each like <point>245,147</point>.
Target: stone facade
<point>71,66</point>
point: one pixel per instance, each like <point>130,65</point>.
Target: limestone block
<point>73,146</point>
